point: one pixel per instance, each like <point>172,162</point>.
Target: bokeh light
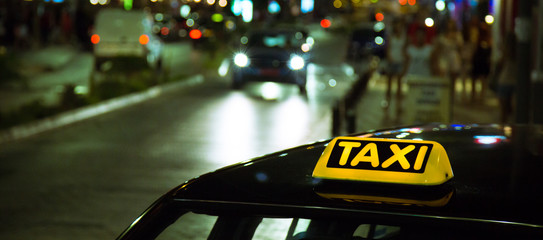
<point>451,6</point>
<point>155,29</point>
<point>325,23</point>
<point>182,33</point>
<point>307,6</point>
<point>159,17</point>
<point>195,34</point>
<point>241,60</point>
<point>310,40</point>
<point>95,38</point>
<point>338,3</point>
<point>144,39</point>
<point>184,11</point>
<point>429,22</point>
<point>489,19</point>
<point>217,17</point>
<point>306,47</point>
<point>380,26</point>
<point>379,40</point>
<point>274,7</point>
<point>190,22</point>
<point>440,5</point>
<point>379,17</point>
<point>244,40</point>
<point>165,31</point>
<point>236,7</point>
<point>247,11</point>
<point>332,82</point>
<point>230,25</point>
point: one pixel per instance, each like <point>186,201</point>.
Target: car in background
<point>272,55</point>
<point>125,38</point>
<point>432,181</point>
<point>367,40</point>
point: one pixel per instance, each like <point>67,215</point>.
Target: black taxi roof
<point>497,177</point>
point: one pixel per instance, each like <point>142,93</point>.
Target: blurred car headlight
<point>296,63</point>
<point>241,60</point>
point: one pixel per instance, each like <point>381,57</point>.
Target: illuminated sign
<point>384,160</point>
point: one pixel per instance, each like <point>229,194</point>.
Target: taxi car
<point>426,182</point>
<point>272,55</point>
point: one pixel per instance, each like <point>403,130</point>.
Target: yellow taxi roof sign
<point>396,161</point>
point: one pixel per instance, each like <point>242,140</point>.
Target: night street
<point>89,180</point>
<point>266,120</point>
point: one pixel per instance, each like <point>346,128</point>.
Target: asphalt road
<point>91,179</point>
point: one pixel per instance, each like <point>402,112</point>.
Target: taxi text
<point>379,156</point>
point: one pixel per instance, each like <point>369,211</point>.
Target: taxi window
<point>203,226</point>
<point>374,231</point>
<point>273,228</point>
<point>190,226</point>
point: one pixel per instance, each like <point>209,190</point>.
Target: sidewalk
<point>35,103</point>
<point>45,72</point>
<point>48,70</point>
<point>371,115</point>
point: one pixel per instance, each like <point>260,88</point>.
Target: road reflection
<point>241,124</point>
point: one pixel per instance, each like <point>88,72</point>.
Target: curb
<point>76,115</point>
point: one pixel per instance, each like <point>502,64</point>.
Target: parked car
<point>125,36</point>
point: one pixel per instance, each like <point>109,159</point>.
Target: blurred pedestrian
<point>420,59</point>
<point>395,60</point>
<point>66,25</point>
<point>46,22</point>
<point>21,35</point>
<point>418,23</point>
<point>420,56</point>
<point>450,63</point>
<point>506,69</point>
<point>3,30</point>
<point>481,63</point>
<point>470,37</point>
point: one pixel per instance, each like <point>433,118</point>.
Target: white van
<point>125,34</point>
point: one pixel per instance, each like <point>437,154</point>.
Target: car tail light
<point>144,39</point>
<point>95,38</point>
<point>195,34</point>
